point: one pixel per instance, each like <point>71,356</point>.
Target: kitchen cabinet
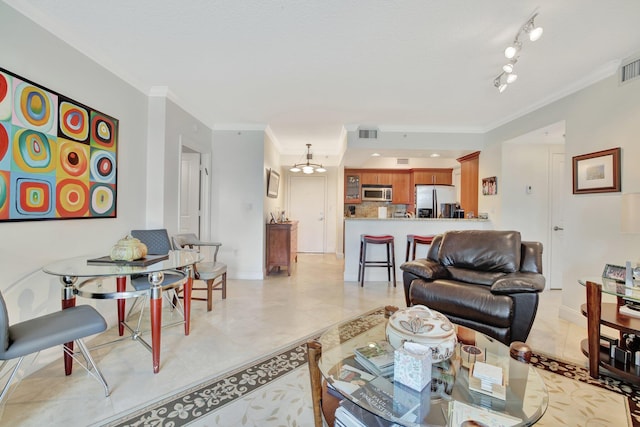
<point>401,182</point>
<point>282,245</point>
<point>352,188</point>
<point>433,176</point>
<point>469,166</point>
<point>376,177</point>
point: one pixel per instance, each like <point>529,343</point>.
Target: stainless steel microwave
<point>377,193</point>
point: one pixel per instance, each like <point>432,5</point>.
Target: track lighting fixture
<point>507,76</point>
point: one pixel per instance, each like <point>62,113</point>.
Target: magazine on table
<point>376,357</point>
<point>461,412</point>
<point>347,378</point>
<point>349,414</point>
<point>375,393</point>
<point>378,394</point>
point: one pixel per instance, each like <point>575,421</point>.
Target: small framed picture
<point>490,186</point>
<point>273,183</point>
<point>614,272</point>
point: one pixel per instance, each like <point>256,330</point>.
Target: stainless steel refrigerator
<point>430,197</point>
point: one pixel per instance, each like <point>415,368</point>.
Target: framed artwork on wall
<point>58,157</point>
<point>597,172</point>
<point>490,186</point>
<point>273,183</point>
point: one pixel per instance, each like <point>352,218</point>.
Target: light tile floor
<point>258,317</point>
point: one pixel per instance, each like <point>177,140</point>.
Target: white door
<point>190,193</point>
<point>307,202</point>
<point>557,221</point>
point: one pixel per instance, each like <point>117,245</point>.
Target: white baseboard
<point>572,315</point>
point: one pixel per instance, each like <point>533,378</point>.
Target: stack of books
<point>376,358</point>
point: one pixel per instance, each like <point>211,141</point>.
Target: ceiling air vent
<point>402,161</point>
<point>367,133</point>
<point>630,70</point>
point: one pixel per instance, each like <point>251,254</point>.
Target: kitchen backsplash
<point>370,210</point>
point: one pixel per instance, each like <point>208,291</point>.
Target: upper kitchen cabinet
<point>469,182</point>
<point>433,176</point>
<point>401,187</point>
<point>352,187</point>
<point>376,177</point>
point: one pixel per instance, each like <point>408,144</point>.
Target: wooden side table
<point>282,245</point>
<point>607,314</point>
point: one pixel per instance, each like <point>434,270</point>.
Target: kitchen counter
<point>353,218</point>
<point>399,228</point>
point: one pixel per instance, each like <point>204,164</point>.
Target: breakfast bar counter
<point>399,228</point>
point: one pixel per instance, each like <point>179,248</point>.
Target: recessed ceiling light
<point>375,155</point>
<point>435,155</point>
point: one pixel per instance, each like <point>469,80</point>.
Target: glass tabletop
<point>614,287</point>
<point>82,267</point>
<point>447,397</point>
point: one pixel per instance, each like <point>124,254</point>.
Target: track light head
<point>530,28</point>
<point>509,66</point>
<point>499,83</point>
<point>511,51</point>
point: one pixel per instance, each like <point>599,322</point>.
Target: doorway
<point>194,189</point>
<point>190,192</point>
<point>307,204</point>
<point>557,220</point>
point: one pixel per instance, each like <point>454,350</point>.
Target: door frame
<point>205,183</point>
<point>555,253</point>
<point>325,204</point>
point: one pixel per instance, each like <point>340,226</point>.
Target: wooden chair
<point>208,271</point>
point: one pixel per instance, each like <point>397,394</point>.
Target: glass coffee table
<point>446,401</point>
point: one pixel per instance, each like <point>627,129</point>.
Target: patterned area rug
<point>190,405</point>
<point>574,372</point>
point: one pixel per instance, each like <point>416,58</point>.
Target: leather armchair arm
<point>426,269</point>
<point>515,283</point>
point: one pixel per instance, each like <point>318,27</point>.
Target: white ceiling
<point>308,69</point>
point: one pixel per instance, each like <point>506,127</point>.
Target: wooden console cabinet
<point>282,245</point>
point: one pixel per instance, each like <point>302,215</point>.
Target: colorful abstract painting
<point>58,157</point>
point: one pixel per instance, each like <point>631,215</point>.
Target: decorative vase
<point>421,325</point>
<point>128,249</point>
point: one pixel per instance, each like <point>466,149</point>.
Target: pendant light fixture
<point>308,167</point>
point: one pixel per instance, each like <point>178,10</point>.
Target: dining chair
<point>158,243</point>
<point>59,328</point>
<point>209,270</point>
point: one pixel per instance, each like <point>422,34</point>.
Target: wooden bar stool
<point>415,240</point>
<point>389,263</point>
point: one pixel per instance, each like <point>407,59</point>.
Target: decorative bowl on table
<point>128,249</point>
<point>421,325</point>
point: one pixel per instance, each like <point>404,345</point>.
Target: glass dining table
<point>86,276</point>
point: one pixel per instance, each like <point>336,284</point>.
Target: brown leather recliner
<point>487,280</point>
